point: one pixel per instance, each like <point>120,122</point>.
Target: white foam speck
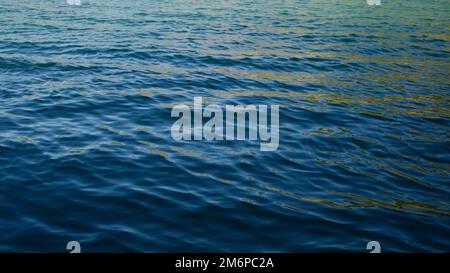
<point>74,2</point>
<point>374,2</point>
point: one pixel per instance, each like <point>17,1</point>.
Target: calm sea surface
<point>86,152</point>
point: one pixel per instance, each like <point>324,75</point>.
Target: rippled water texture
<point>86,152</point>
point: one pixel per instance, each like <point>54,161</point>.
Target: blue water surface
<point>86,152</point>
